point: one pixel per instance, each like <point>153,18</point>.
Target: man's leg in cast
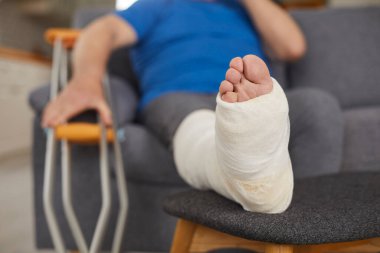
<point>241,150</point>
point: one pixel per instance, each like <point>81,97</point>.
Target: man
<point>180,52</point>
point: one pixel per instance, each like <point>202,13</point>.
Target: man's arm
<point>278,30</point>
<point>90,57</point>
<point>96,42</point>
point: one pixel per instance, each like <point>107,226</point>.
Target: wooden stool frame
<point>190,237</point>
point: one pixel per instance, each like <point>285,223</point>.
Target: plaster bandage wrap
<point>240,151</point>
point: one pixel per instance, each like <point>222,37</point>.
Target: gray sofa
<point>343,59</point>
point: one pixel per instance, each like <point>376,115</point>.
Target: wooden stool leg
<point>278,248</point>
<point>183,236</point>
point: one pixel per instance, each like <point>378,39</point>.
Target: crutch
<point>63,41</point>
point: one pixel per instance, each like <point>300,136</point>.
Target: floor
<point>16,208</point>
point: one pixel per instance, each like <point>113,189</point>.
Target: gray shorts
<point>164,114</point>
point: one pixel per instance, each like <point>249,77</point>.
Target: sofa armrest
<point>124,95</point>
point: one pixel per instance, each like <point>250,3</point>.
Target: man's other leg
<point>316,135</point>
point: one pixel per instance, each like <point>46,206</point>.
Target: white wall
<point>124,4</point>
<point>17,79</point>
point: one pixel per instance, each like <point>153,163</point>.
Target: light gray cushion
<point>362,139</point>
<point>343,54</point>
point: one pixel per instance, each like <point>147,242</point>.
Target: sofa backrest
<point>343,55</point>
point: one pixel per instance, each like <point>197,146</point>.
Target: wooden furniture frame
<point>190,237</point>
<point>299,4</point>
<point>16,54</point>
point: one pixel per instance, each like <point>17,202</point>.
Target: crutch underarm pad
<point>68,36</point>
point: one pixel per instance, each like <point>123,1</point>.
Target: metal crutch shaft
<point>106,193</point>
<point>66,184</point>
<point>49,172</point>
<point>67,198</point>
<point>66,172</point>
<point>120,177</point>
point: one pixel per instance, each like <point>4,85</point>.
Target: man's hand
<point>79,95</point>
<point>89,63</point>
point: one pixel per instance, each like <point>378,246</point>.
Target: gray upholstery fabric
<point>125,99</point>
<point>325,209</point>
<point>278,71</point>
<point>343,54</point>
<point>39,97</point>
<point>362,139</point>
<point>85,16</point>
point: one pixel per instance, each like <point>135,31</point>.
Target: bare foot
<point>246,78</point>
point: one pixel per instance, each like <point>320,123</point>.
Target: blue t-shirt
<point>186,45</point>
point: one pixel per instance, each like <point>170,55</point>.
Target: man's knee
<point>314,109</point>
<point>316,136</point>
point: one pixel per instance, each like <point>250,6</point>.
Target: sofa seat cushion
<point>362,139</point>
<point>343,54</point>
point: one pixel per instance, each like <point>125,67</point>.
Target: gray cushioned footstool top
<point>324,209</point>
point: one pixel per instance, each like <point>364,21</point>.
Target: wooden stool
<point>339,213</point>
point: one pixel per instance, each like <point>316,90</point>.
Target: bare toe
<point>230,97</point>
<point>246,79</point>
<point>255,79</point>
<point>237,63</point>
<point>225,87</point>
<point>233,76</point>
<point>255,70</point>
